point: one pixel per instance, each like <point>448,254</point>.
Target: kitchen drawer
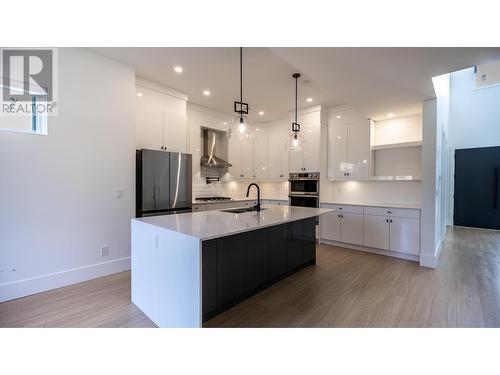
<point>393,212</point>
<point>348,209</point>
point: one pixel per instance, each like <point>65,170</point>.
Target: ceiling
<point>268,85</point>
<point>374,81</point>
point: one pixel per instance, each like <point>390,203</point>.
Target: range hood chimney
<point>214,148</point>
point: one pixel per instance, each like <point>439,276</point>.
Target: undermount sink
<point>242,210</point>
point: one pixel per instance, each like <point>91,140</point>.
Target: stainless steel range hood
<point>214,149</point>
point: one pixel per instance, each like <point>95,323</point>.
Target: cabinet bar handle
<point>496,186</point>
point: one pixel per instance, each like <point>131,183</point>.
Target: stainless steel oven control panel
<point>304,176</point>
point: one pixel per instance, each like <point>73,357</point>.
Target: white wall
<point>57,195</point>
<point>474,114</point>
<point>474,121</point>
<point>428,236</point>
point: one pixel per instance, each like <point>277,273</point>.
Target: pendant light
<point>295,141</point>
<point>240,107</point>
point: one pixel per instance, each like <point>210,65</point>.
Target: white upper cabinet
<point>261,154</point>
<point>358,149</point>
<point>149,125</point>
<point>349,153</point>
<point>337,151</point>
<point>278,155</point>
<point>241,153</point>
<point>310,128</point>
<point>160,120</point>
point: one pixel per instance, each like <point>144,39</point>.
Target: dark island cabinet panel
<point>230,268</point>
<point>278,244</point>
<point>257,258</point>
<point>237,266</point>
<point>301,243</point>
<point>209,275</point>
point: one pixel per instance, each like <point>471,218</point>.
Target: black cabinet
<point>237,266</point>
<point>278,244</point>
<point>301,243</point>
<point>257,258</point>
<point>230,268</point>
<point>209,276</point>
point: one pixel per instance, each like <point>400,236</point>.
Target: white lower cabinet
<point>392,229</point>
<point>344,225</point>
<point>376,231</point>
<point>350,228</point>
<point>330,226</point>
<point>404,235</point>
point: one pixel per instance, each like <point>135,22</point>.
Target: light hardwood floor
<point>345,289</point>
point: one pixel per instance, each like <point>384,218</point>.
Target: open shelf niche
<point>396,149</point>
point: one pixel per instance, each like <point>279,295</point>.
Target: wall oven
<point>304,189</point>
<point>304,183</point>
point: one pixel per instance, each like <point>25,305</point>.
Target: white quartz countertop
<point>206,225</point>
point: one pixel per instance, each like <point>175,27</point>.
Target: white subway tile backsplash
<point>238,189</point>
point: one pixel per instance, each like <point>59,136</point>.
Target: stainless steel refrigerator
<point>163,183</point>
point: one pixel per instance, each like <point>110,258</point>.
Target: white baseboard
<point>42,283</point>
<point>393,254</point>
<point>431,261</point>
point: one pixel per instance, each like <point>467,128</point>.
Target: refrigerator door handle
<point>154,196</point>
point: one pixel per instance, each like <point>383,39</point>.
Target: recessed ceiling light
<point>178,69</point>
<point>224,123</point>
<point>261,113</point>
<point>390,115</point>
<point>339,116</point>
<point>139,94</point>
<point>309,100</point>
<point>206,92</point>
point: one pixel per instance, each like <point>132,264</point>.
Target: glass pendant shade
<point>295,142</point>
<point>243,126</point>
<point>245,129</point>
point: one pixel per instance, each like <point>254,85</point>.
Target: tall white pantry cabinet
<point>161,122</point>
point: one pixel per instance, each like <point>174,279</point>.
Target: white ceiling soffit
<point>268,85</point>
<point>378,81</point>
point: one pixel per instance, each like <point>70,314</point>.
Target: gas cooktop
<point>210,199</point>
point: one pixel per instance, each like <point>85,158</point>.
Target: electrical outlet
<point>104,251</point>
<point>118,193</point>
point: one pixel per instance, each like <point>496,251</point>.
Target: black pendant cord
<point>241,74</point>
<point>295,124</point>
<point>296,99</point>
<point>240,107</point>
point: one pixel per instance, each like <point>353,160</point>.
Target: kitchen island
<point>189,267</point>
